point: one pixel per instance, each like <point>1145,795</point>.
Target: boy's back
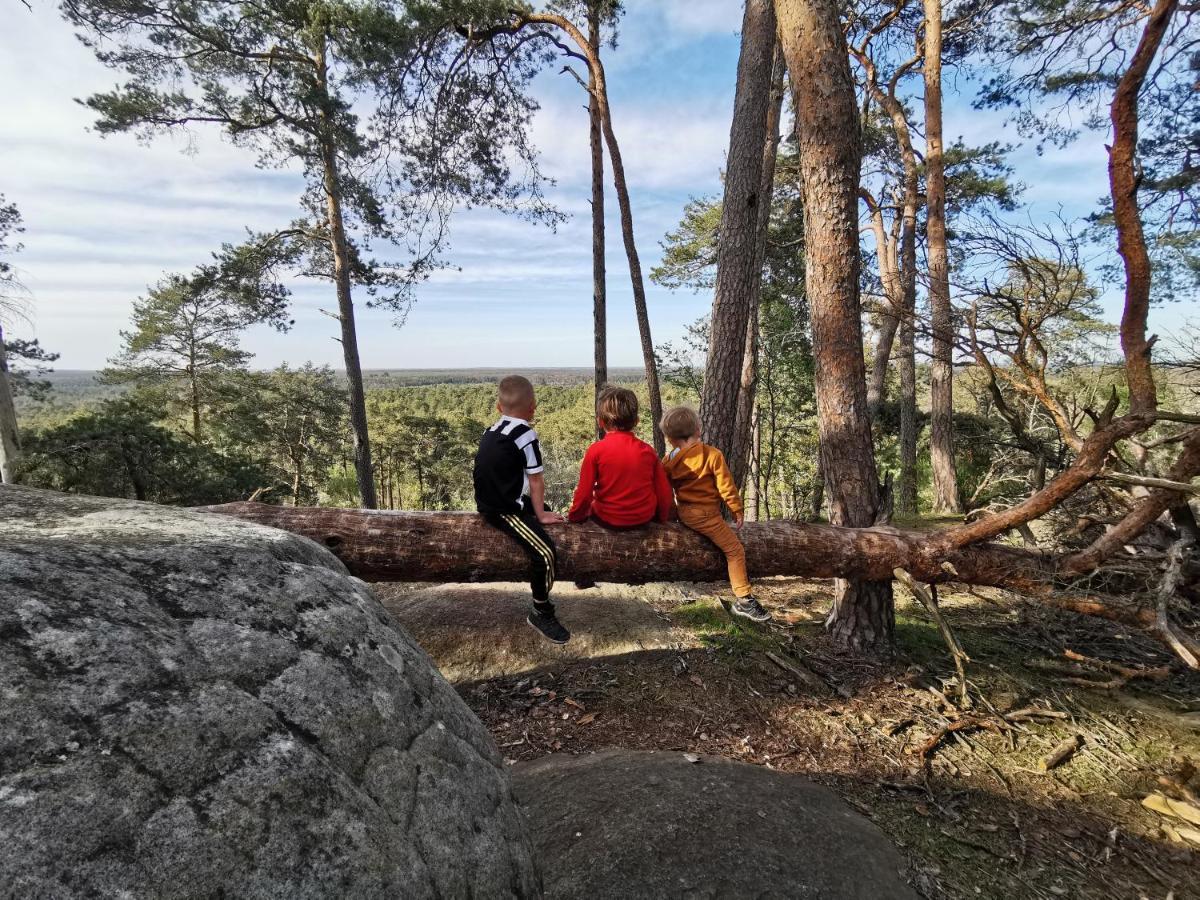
<point>508,454</point>
<point>700,477</point>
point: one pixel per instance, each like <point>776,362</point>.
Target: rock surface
<point>478,631</point>
<point>623,824</point>
<point>194,706</point>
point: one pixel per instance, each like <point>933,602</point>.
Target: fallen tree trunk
<point>383,545</point>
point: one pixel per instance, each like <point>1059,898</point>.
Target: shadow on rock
<point>624,824</point>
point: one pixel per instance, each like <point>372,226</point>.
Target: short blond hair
<point>515,393</point>
<point>680,423</point>
<point>617,407</point>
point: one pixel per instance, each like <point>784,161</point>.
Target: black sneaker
<point>749,608</point>
<point>549,626</point>
<point>584,583</point>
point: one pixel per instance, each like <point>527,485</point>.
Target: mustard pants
<point>707,521</point>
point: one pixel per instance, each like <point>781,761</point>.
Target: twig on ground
<point>922,593</point>
<point>1172,577</point>
<point>1061,753</point>
<point>805,674</point>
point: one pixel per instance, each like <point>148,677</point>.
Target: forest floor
<point>970,807</point>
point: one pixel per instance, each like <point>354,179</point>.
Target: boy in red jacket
<point>622,484</point>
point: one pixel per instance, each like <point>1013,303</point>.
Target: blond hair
<point>680,423</point>
<point>515,394</point>
<point>617,408</point>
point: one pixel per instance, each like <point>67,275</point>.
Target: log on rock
<point>383,545</point>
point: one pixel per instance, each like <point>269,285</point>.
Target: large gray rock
<point>624,824</point>
<point>194,706</point>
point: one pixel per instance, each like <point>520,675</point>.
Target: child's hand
<point>738,518</point>
<point>548,517</point>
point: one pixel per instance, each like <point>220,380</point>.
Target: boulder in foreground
<point>195,706</point>
<point>632,825</point>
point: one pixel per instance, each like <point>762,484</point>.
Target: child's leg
<point>709,523</point>
<point>529,533</point>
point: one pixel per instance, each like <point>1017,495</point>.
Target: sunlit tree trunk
<point>739,256</point>
<point>10,439</point>
<point>339,248</point>
<point>827,128</point>
<point>946,497</point>
<point>1124,175</point>
<point>599,288</point>
<point>906,493</point>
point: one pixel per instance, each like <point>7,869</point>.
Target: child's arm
<point>581,505</point>
<point>537,493</point>
<point>727,488</point>
<point>662,490</point>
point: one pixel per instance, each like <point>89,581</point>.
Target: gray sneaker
<point>749,608</point>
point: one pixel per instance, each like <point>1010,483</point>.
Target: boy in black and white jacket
<point>510,493</point>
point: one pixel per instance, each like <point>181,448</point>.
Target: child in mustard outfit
<point>701,480</point>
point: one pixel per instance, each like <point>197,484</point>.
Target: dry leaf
<point>574,703</point>
<point>695,679</point>
<point>586,719</point>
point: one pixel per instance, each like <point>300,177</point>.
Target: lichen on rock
<point>196,706</point>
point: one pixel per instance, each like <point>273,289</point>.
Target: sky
<point>106,217</point>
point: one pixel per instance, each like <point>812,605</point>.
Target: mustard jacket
<point>701,477</point>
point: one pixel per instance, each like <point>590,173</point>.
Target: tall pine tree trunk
<point>596,138</point>
<point>745,434</point>
<point>827,126</point>
<point>10,439</point>
<point>739,260</point>
<point>906,489</point>
<point>340,250</point>
<point>946,497</point>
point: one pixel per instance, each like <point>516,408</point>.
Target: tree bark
<point>1131,240</point>
<point>946,497</point>
<point>10,437</point>
<point>739,260</point>
<point>889,316</point>
<point>827,126</point>
<point>906,490</point>
<point>341,276</point>
<point>906,486</point>
<point>599,287</point>
<point>745,430</point>
<point>383,545</point>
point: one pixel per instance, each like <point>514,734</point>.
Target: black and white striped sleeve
<point>527,443</point>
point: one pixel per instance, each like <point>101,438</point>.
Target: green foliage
<point>378,104</point>
<point>187,329</point>
<point>291,422</point>
<point>120,451</point>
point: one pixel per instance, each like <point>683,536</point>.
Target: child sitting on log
<point>510,494</point>
<point>701,480</point>
<point>621,482</point>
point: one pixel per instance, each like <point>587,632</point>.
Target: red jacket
<point>622,483</point>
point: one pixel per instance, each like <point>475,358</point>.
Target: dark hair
<point>617,407</point>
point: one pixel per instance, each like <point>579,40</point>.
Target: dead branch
<point>959,656</point>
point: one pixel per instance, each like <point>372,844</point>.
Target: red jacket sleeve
<point>581,505</point>
<point>662,490</point>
